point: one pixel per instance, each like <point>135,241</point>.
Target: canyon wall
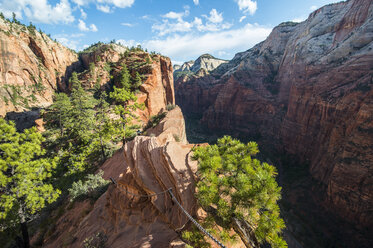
<point>32,67</point>
<point>307,90</point>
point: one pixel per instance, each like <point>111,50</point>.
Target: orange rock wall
<point>306,90</point>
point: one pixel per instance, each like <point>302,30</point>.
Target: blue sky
<point>180,29</point>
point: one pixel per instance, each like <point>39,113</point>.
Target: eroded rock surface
<point>146,165</point>
<point>306,90</point>
<point>32,67</point>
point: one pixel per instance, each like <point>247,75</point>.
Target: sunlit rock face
<point>146,165</point>
<point>32,67</point>
<point>306,90</point>
<point>204,63</point>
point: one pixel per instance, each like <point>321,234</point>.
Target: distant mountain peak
<point>205,61</point>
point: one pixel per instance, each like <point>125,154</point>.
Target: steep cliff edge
<point>32,67</point>
<point>306,90</point>
<point>145,165</point>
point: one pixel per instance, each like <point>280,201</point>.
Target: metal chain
<point>181,207</point>
<point>195,222</point>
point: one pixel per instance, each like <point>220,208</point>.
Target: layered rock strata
<point>145,166</point>
<point>32,67</point>
<point>306,90</point>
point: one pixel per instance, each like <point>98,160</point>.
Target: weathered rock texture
<point>104,64</point>
<point>32,67</point>
<point>306,90</point>
<point>146,165</point>
<point>205,62</point>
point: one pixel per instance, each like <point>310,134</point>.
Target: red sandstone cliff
<point>306,90</point>
<point>32,67</point>
<point>145,165</point>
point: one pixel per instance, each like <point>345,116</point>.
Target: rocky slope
<point>32,67</point>
<point>206,62</point>
<point>104,62</point>
<point>306,90</point>
<point>145,165</point>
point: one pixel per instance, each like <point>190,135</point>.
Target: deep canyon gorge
<point>305,94</point>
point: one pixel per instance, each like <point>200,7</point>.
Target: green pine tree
<point>126,104</point>
<point>23,176</point>
<point>137,82</point>
<point>104,126</point>
<point>240,192</point>
<point>125,78</point>
<point>82,113</point>
<point>60,112</point>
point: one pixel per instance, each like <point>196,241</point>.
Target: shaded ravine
<point>308,223</point>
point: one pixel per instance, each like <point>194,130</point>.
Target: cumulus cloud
<point>313,7</point>
<point>38,10</point>
<point>73,44</point>
<point>247,6</point>
<point>242,18</point>
<point>192,45</point>
<point>174,15</point>
<point>173,22</point>
<point>196,2</point>
<point>104,8</point>
<point>83,27</point>
<point>215,17</point>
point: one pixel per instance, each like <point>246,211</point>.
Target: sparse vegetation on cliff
<point>238,192</point>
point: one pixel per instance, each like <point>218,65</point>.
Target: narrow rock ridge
<point>146,165</point>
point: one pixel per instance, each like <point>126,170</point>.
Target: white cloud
<point>247,6</point>
<point>174,22</point>
<point>116,3</point>
<point>38,10</point>
<point>104,8</point>
<point>83,14</point>
<point>215,17</point>
<point>192,45</point>
<point>196,2</point>
<point>299,19</point>
<point>93,28</point>
<point>313,7</point>
<point>83,27</point>
<point>127,24</point>
<point>73,44</point>
<point>174,15</point>
<point>242,18</point>
<point>167,27</point>
<point>128,43</point>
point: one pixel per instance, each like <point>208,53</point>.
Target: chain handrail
<point>181,207</point>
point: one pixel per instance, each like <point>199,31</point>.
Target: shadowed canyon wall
<point>306,90</point>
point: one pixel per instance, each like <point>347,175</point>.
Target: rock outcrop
<point>306,90</point>
<point>145,166</point>
<point>104,62</point>
<point>205,62</point>
<point>32,67</point>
